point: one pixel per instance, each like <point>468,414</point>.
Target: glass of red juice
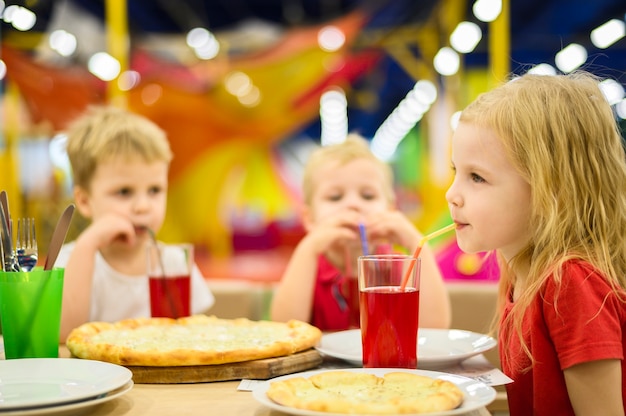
<point>389,305</point>
<point>169,278</point>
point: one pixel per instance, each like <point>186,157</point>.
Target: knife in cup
<point>9,262</point>
<point>58,237</point>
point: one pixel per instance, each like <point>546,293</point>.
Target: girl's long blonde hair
<point>562,136</point>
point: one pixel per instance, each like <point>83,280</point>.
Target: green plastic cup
<point>30,311</point>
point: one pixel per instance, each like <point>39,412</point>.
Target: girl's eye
<point>334,198</point>
<point>477,178</point>
<point>124,191</point>
<point>155,190</point>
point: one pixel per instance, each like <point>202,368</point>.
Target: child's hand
<point>333,232</point>
<point>394,227</point>
<point>109,229</point>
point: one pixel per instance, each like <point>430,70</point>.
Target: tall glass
<point>389,304</point>
<point>169,276</point>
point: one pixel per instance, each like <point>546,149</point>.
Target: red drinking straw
<point>418,250</point>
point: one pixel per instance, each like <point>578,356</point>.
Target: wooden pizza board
<point>257,369</point>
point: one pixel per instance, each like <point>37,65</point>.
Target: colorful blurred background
<point>245,89</point>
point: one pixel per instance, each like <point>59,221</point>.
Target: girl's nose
<point>453,196</point>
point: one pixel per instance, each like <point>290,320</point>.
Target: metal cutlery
<point>25,255</point>
<point>26,244</point>
<point>9,259</point>
<point>58,237</point>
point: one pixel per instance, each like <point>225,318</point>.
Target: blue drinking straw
<point>366,251</point>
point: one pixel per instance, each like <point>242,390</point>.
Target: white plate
<point>477,394</point>
<point>437,348</point>
<point>71,409</point>
<point>36,382</point>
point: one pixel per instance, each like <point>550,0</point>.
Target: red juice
<point>169,296</point>
<point>389,319</point>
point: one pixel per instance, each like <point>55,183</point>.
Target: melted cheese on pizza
<point>349,392</point>
<point>195,337</point>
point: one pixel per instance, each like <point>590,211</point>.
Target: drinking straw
<point>418,250</point>
<point>366,251</point>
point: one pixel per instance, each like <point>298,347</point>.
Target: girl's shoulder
<point>579,275</point>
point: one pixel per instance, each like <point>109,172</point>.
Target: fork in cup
<point>26,244</point>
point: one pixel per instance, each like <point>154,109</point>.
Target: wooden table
<point>216,398</point>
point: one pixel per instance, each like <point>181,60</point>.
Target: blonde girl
<point>540,177</point>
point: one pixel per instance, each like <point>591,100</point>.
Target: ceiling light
<point>20,17</point>
<point>487,10</point>
<point>238,83</point>
<point>333,116</point>
<point>425,91</point>
<point>104,66</point>
<point>128,80</point>
<point>447,61</point>
<point>455,119</point>
<point>571,57</point>
<point>620,109</point>
<point>331,38</point>
<point>542,69</point>
<point>612,90</point>
<point>63,42</point>
<point>465,37</point>
<point>607,34</point>
<point>198,36</point>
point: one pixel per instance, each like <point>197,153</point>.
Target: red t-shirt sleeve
<point>583,316</point>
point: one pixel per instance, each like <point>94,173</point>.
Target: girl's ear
<point>307,217</point>
<point>81,199</point>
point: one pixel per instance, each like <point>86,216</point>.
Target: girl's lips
<point>460,226</point>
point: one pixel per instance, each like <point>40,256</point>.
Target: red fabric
<point>330,304</point>
<point>578,322</point>
<point>330,307</point>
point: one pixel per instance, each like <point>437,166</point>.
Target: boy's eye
<point>155,190</point>
<point>334,197</point>
<point>124,191</point>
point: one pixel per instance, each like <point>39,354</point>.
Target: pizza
<point>364,393</point>
<point>189,341</point>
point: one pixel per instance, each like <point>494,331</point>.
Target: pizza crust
<point>363,393</point>
<point>189,341</point>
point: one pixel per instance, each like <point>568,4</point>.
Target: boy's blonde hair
<point>106,132</point>
<point>561,135</point>
<point>353,148</point>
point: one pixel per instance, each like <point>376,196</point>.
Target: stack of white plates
<point>59,386</point>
